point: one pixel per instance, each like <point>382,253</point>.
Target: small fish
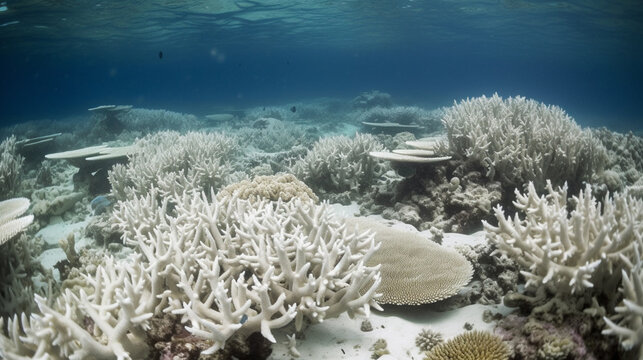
<point>244,318</point>
<point>293,109</point>
<point>160,54</point>
<point>100,204</point>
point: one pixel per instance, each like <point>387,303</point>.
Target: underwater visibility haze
<point>59,56</point>
<point>321,179</point>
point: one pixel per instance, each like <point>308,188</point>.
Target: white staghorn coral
<point>338,164</point>
<point>627,323</point>
<point>194,161</point>
<point>568,249</point>
<point>517,140</point>
<point>224,267</point>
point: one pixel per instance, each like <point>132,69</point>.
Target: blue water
<point>58,58</point>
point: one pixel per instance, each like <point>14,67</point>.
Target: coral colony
<point>160,235</point>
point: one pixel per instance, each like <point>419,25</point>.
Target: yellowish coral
<point>273,187</point>
<point>474,345</point>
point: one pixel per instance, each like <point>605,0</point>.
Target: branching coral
<point>10,167</point>
<point>627,324</point>
<point>427,339</point>
<point>147,120</point>
<point>224,267</point>
<point>518,140</point>
<point>340,164</point>
<point>275,135</point>
<point>175,163</point>
<point>572,251</point>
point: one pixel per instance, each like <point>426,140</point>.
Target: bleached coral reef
<point>18,266</point>
<point>272,135</point>
<point>516,140</point>
<point>571,251</point>
<point>10,167</point>
<point>147,120</point>
<point>574,261</point>
<point>625,158</point>
<point>371,99</point>
<point>340,164</point>
<point>272,187</point>
<point>223,267</point>
<point>414,270</point>
<point>10,223</point>
<point>627,323</point>
<point>175,163</point>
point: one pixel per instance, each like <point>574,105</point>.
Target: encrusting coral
<point>472,345</point>
<point>222,267</point>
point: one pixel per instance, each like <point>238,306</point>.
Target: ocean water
<point>58,58</point>
<point>271,151</point>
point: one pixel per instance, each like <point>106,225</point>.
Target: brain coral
<point>473,345</point>
<point>414,270</point>
<point>285,187</point>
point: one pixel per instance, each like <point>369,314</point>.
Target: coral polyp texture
<point>229,267</point>
<point>285,187</point>
<point>517,140</point>
<point>10,224</point>
<point>415,270</point>
<point>473,345</point>
<point>427,339</point>
<point>574,250</point>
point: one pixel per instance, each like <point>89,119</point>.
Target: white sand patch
<point>455,239</point>
<point>398,325</point>
<point>50,257</point>
<point>344,211</point>
<point>57,230</point>
<point>342,338</point>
